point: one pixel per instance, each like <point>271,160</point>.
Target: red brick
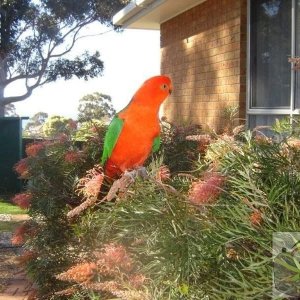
<point>204,52</point>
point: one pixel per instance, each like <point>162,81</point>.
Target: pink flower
<point>90,185</point>
<point>17,239</point>
<point>73,156</point>
<point>207,190</point>
<point>22,200</point>
<point>114,257</point>
<point>21,233</point>
<point>21,168</point>
<point>34,148</point>
<point>163,173</point>
<point>137,280</point>
<point>256,218</point>
<point>82,272</point>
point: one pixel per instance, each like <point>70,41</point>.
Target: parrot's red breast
<point>140,127</point>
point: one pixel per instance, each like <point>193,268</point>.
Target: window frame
<point>270,111</point>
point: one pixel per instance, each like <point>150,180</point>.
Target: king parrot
<point>135,131</point>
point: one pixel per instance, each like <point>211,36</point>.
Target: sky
<point>130,57</point>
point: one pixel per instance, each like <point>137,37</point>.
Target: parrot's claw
<point>142,172</point>
<point>131,175</point>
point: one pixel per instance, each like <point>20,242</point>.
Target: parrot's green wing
<point>111,137</point>
<point>156,144</point>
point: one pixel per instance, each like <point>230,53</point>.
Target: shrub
<point>52,170</point>
<point>205,234</point>
<point>179,152</point>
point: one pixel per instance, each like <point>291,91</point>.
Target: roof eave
<point>134,11</point>
<point>149,14</point>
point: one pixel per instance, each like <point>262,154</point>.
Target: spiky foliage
<point>201,235</point>
<point>52,169</point>
<point>261,198</point>
<point>180,153</point>
<point>220,248</point>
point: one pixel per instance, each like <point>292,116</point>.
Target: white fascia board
<point>126,13</point>
<point>134,10</point>
<point>149,14</point>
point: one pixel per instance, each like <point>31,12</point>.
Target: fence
<point>10,153</point>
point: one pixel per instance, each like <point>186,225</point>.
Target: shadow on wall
<point>203,50</point>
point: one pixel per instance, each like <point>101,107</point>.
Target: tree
<point>36,36</point>
<point>35,124</point>
<point>90,130</point>
<point>95,106</point>
<point>10,110</point>
<point>56,125</point>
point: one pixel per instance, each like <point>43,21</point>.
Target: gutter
<point>134,11</point>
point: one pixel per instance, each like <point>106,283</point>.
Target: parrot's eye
<point>164,86</point>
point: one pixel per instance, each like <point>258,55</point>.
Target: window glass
<point>297,30</point>
<point>270,50</point>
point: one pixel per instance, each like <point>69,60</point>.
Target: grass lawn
<point>8,208</point>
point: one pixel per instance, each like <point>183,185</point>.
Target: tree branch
<point>19,77</point>
<point>8,100</point>
<point>52,46</point>
<point>76,29</point>
<point>29,88</point>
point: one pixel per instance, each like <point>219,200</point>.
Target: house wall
<point>203,50</point>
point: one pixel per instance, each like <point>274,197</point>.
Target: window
<point>274,36</point>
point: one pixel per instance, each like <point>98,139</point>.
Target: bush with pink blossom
<point>199,234</point>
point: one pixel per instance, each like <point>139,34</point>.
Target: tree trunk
<point>1,101</point>
<point>3,74</point>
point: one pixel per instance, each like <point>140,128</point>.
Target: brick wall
<point>204,52</point>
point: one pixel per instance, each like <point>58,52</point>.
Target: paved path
<point>18,287</point>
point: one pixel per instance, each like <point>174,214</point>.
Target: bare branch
<point>74,39</point>
<point>20,77</point>
<point>75,30</point>
<point>29,88</point>
<point>93,35</point>
<point>8,100</point>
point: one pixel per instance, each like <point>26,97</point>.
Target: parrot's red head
<point>154,90</point>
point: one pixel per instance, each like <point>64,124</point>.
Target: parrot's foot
<point>142,172</point>
<point>138,172</point>
<point>120,187</point>
<point>131,175</point>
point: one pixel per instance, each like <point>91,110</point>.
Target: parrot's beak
<point>170,91</point>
